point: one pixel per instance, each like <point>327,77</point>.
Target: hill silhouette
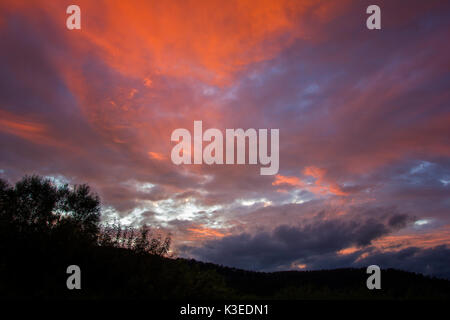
<point>44,228</point>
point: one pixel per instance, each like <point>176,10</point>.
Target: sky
<point>363,116</point>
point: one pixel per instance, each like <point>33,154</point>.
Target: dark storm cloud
<point>287,244</point>
<point>434,261</point>
<point>431,261</point>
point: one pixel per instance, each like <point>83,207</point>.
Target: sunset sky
<point>364,120</point>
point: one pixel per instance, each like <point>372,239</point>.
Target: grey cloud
<point>433,261</point>
<point>286,244</point>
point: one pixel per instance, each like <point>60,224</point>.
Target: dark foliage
<point>44,228</point>
<point>141,241</point>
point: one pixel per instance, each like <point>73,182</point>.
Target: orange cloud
<point>299,266</point>
<point>155,155</point>
<point>429,239</point>
<point>321,186</point>
<point>206,39</point>
<point>202,233</point>
<point>148,42</point>
<point>347,251</point>
<point>24,128</point>
<point>218,39</point>
<point>284,180</point>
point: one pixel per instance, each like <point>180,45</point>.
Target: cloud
<point>360,113</point>
<point>272,250</point>
<point>202,232</point>
<point>433,261</point>
<point>325,245</point>
<point>320,185</point>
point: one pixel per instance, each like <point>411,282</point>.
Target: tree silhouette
<point>36,205</point>
<point>36,208</point>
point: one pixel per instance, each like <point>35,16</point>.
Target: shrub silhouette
<point>140,240</point>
